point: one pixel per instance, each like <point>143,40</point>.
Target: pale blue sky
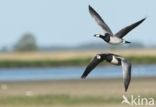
<point>68,22</point>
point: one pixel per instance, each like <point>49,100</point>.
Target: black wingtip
<point>90,7</point>
<point>139,22</point>
<point>125,90</point>
<point>127,42</point>
<point>143,19</point>
<point>82,77</point>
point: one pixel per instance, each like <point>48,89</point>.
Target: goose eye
<point>98,57</point>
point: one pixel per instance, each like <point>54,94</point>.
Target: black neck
<point>105,38</point>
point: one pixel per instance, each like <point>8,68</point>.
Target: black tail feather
<point>127,42</point>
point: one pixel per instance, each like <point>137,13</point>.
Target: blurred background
<point>46,45</point>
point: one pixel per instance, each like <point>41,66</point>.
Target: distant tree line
<point>26,43</point>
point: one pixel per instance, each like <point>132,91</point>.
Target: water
<point>57,73</point>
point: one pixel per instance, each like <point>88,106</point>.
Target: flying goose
<point>113,59</point>
<point>108,36</point>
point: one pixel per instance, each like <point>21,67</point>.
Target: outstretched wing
<point>99,20</point>
<point>126,67</point>
<point>94,62</point>
<point>127,29</point>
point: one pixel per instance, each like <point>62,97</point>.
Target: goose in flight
<point>113,59</point>
<point>108,36</point>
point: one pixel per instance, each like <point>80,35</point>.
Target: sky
<point>68,22</point>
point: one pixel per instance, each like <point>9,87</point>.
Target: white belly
<point>114,61</point>
<point>115,40</point>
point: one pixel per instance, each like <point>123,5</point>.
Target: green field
<point>69,62</point>
<point>56,100</point>
<point>73,93</point>
<point>70,58</point>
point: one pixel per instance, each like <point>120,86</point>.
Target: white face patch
<point>97,35</point>
<point>98,57</point>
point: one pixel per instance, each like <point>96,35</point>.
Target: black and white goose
<point>113,59</point>
<point>108,36</point>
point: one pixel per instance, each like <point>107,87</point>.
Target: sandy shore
<point>91,87</point>
<point>98,88</point>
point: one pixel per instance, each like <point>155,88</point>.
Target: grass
<point>47,100</point>
<point>68,62</point>
<point>74,93</point>
<point>142,59</point>
<point>56,100</point>
<point>42,63</point>
<point>71,58</point>
<point>61,101</point>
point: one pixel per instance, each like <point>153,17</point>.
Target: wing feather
<point>99,20</point>
<point>127,29</point>
<point>126,67</point>
<point>94,62</point>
